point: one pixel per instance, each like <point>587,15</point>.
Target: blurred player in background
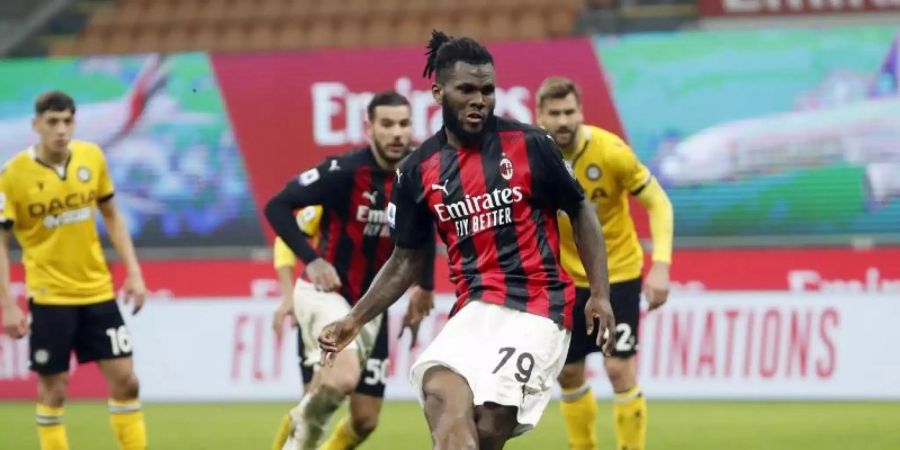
<point>285,263</point>
<point>353,190</point>
<point>608,171</point>
<point>493,187</point>
<point>48,194</point>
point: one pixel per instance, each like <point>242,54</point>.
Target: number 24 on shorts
<point>524,363</point>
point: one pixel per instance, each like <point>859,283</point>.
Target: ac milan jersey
<point>495,208</point>
<point>354,237</point>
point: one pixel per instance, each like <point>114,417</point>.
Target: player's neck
<point>384,164</point>
<point>51,157</point>
<point>576,143</point>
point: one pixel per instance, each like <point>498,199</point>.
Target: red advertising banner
<point>289,110</point>
<point>793,7</point>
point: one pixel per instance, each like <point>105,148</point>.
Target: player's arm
<point>135,290</point>
<point>561,185</point>
<point>14,322</point>
<point>421,297</point>
<point>285,262</point>
<point>644,186</point>
<point>313,187</point>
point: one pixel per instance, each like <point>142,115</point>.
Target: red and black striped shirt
<point>495,208</point>
<point>353,233</point>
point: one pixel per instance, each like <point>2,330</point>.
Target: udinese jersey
<point>353,192</point>
<point>609,171</point>
<point>495,208</point>
<point>52,214</point>
<point>308,220</point>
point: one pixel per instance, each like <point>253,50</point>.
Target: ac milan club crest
<point>506,168</point>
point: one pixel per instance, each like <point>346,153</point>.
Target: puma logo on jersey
<point>370,196</point>
<point>441,187</point>
<point>334,166</point>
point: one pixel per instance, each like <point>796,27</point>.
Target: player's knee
<point>54,390</point>
<point>620,374</point>
<point>125,387</point>
<point>571,376</point>
<point>364,424</point>
<point>495,426</point>
<point>342,381</point>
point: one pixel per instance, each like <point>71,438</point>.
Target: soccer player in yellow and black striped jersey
<point>48,197</point>
<point>609,172</point>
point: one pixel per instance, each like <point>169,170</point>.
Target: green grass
<point>672,425</point>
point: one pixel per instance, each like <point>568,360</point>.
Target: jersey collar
<point>61,172</point>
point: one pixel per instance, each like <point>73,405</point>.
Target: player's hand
<point>599,309</point>
<point>135,292</point>
<point>323,275</point>
<point>14,322</point>
<point>285,310</point>
<point>336,336</point>
<point>421,302</point>
<point>657,285</point>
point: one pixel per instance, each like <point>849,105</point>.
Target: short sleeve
<point>105,188</point>
<point>7,201</point>
<point>308,220</point>
<point>282,255</point>
<point>408,216</point>
<point>627,168</point>
<point>555,182</point>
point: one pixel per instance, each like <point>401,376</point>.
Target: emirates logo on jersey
<point>506,168</point>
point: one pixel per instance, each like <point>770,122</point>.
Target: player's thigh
<point>52,337</point>
<point>102,333</point>
<point>448,400</point>
<point>625,297</point>
<point>314,311</point>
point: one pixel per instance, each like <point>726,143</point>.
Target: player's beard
<point>453,124</point>
<point>383,154</point>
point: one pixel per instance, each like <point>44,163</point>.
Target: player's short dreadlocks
<point>445,51</point>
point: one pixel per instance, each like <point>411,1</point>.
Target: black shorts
<point>625,297</point>
<point>374,374</point>
<point>94,332</point>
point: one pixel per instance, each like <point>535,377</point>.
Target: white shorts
<point>508,357</point>
<point>315,310</point>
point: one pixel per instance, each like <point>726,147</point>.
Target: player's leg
<point>495,424</point>
<point>579,408</point>
<point>629,405</point>
<point>329,387</point>
<point>306,374</point>
<point>103,337</point>
<point>51,340</point>
<point>366,401</point>
<point>449,410</point>
<point>330,384</point>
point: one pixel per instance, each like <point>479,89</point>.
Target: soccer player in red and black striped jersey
<point>353,190</point>
<point>493,187</point>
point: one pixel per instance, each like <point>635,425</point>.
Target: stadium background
<point>787,265</point>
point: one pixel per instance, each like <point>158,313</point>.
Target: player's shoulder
<point>17,161</point>
<point>425,151</point>
<point>604,143</point>
<point>86,151</point>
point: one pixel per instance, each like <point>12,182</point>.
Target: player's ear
<point>437,91</point>
<point>370,129</point>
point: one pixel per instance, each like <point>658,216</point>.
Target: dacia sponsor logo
<point>59,205</point>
